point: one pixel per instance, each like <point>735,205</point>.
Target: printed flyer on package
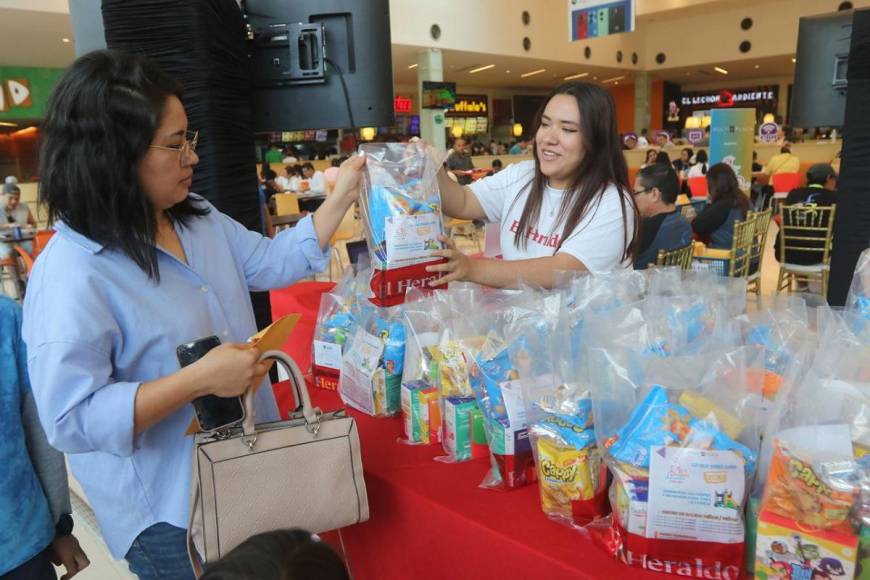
<point>357,370</point>
<point>411,238</point>
<point>695,494</point>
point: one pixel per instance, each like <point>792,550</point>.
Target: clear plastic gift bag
<point>811,503</point>
<point>859,292</point>
<point>335,317</point>
<point>401,210</point>
<point>371,367</point>
<point>681,443</point>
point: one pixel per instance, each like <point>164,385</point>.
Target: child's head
<point>279,555</point>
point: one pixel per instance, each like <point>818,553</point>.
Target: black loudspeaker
<point>852,223</point>
<point>203,44</point>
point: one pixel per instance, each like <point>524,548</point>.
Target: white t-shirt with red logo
<point>598,239</point>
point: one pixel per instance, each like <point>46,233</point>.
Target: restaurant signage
<point>767,132</point>
<point>470,106</point>
<point>694,136</point>
<point>761,97</point>
<point>403,104</point>
<point>24,91</point>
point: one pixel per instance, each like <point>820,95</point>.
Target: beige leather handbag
<point>302,473</point>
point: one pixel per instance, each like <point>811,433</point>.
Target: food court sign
<point>763,98</point>
<point>470,106</point>
<point>25,90</point>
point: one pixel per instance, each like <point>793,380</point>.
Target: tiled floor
<point>103,567</point>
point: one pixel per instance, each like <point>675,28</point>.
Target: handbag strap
<point>312,414</point>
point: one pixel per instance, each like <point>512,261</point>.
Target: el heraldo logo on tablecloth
<point>15,93</point>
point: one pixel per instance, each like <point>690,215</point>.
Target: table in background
<point>430,519</point>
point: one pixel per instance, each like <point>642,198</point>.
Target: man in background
<point>783,162</point>
<point>821,191</point>
<point>459,163</point>
<point>316,179</point>
<point>663,226</point>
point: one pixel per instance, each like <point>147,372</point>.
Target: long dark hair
<point>722,185</point>
<point>602,165</point>
<point>101,119</point>
<point>279,555</point>
<point>701,158</point>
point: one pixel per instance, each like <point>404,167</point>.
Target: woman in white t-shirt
<point>568,209</point>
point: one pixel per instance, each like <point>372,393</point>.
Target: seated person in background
<point>783,162</point>
<point>756,166</point>
<point>663,226</point>
<point>699,168</point>
<point>316,180</point>
<point>279,555</point>
<point>496,167</point>
<point>663,158</point>
<point>521,147</point>
<point>651,155</point>
<point>835,163</point>
<point>726,205</point>
<point>663,139</point>
<point>270,184</point>
<point>460,162</point>
<point>821,191</point>
<point>682,164</point>
<point>629,141</point>
<point>285,182</point>
<point>642,141</point>
<point>478,148</point>
<point>15,213</point>
<point>34,498</point>
<point>331,172</point>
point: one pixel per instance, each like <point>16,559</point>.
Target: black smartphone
<point>212,412</point>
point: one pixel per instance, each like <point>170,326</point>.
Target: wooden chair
<point>456,227</point>
<point>808,229</point>
<point>40,240</point>
<point>734,262</point>
<point>681,257</point>
<point>347,231</point>
<point>762,226</point>
<point>286,203</point>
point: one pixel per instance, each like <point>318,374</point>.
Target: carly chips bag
<point>401,209</point>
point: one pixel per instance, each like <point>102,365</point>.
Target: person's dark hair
<point>603,165</point>
<point>307,166</point>
<point>279,555</point>
<point>688,151</point>
<point>664,178</point>
<point>754,155</point>
<point>663,158</point>
<point>101,119</point>
<point>701,159</point>
<point>335,162</point>
<point>722,184</point>
<point>269,174</point>
<point>785,149</point>
<point>496,163</point>
<point>654,153</point>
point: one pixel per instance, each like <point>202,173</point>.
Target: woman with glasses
<point>139,266</point>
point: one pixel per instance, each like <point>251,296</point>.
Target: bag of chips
<point>682,444</point>
<point>401,209</point>
<point>371,368</point>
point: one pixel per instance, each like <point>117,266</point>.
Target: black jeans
<point>37,568</point>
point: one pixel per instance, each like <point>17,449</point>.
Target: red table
<point>431,520</point>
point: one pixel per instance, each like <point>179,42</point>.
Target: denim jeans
<point>39,568</point>
<point>160,552</point>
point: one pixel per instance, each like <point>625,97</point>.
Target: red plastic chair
<point>698,186</point>
<point>785,182</point>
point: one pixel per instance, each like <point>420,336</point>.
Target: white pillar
<point>642,98</point>
<point>430,68</point>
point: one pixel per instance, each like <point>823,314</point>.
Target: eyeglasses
<point>636,193</point>
<point>185,149</point>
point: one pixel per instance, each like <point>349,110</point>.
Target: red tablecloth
<point>430,519</point>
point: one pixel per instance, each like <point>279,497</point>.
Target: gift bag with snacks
<point>859,293</point>
<point>680,441</point>
<point>371,368</point>
<point>401,210</point>
<point>813,519</point>
<point>335,317</point>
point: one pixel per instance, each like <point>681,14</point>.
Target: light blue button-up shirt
<point>96,328</point>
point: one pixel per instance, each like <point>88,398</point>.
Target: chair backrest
<point>762,226</point>
<point>741,248</point>
<point>785,182</point>
<point>286,203</point>
<point>804,227</point>
<point>26,258</point>
<point>698,186</point>
<point>681,257</point>
<point>40,240</point>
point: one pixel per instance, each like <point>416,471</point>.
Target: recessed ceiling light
<point>720,70</point>
<point>616,82</point>
<point>8,124</point>
<point>577,76</point>
<point>758,66</point>
<point>594,78</point>
<point>794,60</point>
<point>507,72</point>
<point>481,68</point>
<point>66,40</point>
<point>415,65</point>
<point>533,73</point>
